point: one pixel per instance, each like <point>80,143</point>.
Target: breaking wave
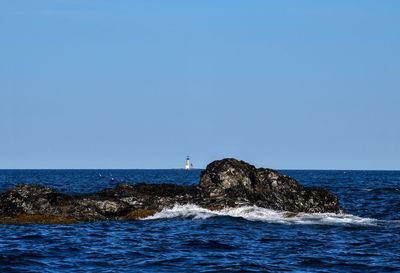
<point>254,213</point>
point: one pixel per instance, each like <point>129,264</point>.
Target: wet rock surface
<point>224,183</point>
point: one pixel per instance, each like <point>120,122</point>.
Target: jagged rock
<point>224,183</point>
<point>231,182</point>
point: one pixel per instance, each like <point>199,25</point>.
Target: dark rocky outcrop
<point>231,182</point>
<point>224,183</point>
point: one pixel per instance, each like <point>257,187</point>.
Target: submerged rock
<point>224,183</point>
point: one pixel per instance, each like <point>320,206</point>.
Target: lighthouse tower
<point>188,165</point>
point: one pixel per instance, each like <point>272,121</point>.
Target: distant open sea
<point>190,239</point>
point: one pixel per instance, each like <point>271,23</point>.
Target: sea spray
<point>254,213</point>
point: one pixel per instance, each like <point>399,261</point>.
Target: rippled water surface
<point>187,238</point>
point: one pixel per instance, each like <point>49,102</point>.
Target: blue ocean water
<point>190,239</point>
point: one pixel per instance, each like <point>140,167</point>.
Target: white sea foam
<point>254,213</point>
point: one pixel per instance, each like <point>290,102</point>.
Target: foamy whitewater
<point>254,213</point>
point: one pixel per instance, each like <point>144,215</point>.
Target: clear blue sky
<point>142,84</point>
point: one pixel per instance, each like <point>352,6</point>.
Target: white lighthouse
<point>188,165</point>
